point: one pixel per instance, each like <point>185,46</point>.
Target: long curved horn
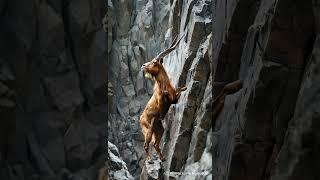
<point>171,48</point>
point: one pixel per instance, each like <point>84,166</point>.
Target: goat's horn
<point>171,48</point>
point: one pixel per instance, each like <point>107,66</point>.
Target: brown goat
<point>164,94</point>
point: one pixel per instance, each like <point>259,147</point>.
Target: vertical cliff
<point>53,77</point>
<point>138,31</point>
<point>268,129</point>
<point>52,89</point>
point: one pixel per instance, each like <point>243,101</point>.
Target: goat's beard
<point>148,76</point>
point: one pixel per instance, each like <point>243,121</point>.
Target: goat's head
<point>154,67</point>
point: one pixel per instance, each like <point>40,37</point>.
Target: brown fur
<point>164,94</point>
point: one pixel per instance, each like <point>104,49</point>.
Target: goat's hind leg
<point>147,140</point>
<point>158,132</point>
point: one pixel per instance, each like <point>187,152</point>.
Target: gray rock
<point>50,23</point>
<point>64,90</point>
<point>6,102</point>
<point>153,25</point>
<point>129,90</point>
<point>134,107</point>
<point>6,73</point>
<point>181,129</point>
<point>127,155</point>
<point>41,163</point>
<point>80,13</point>
<point>266,96</point>
<point>121,175</point>
<point>117,167</point>
<point>113,148</point>
<point>81,141</point>
<point>54,152</point>
<point>303,127</point>
<point>152,170</point>
<point>52,59</point>
<point>21,17</point>
<point>140,83</point>
<point>98,63</point>
<point>85,174</point>
<point>3,88</point>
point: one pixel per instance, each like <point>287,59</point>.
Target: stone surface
<point>52,80</point>
<point>81,141</point>
<point>150,30</point>
<point>258,44</point>
<point>116,166</point>
<point>297,157</point>
<point>64,90</point>
<point>152,25</point>
<point>152,170</point>
<point>267,130</point>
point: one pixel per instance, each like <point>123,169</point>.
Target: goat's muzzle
<point>142,67</point>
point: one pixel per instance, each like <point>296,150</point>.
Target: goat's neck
<point>162,79</point>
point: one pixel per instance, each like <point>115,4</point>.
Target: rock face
<point>152,170</point>
<point>136,32</point>
<point>116,166</point>
<point>268,129</point>
<point>52,89</point>
<point>139,30</point>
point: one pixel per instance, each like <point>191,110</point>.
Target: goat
<point>164,94</point>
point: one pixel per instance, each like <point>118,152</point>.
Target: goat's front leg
<point>178,94</point>
<point>147,139</point>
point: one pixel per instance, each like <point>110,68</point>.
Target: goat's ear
<point>160,60</point>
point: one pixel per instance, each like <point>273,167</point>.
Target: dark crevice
<point>131,74</point>
<point>228,65</point>
<point>4,11</point>
<point>70,44</point>
<point>188,14</point>
<point>186,67</point>
<point>289,50</point>
<point>176,21</point>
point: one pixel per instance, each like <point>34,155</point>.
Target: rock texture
<point>52,89</point>
<point>116,166</point>
<point>138,31</point>
<point>267,130</point>
<point>53,78</point>
<point>152,170</point>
